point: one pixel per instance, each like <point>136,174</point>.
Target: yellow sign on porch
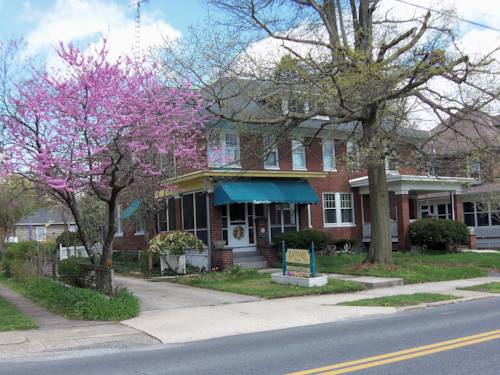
<point>298,256</point>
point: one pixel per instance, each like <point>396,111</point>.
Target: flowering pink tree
<point>96,126</point>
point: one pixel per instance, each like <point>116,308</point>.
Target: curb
<point>14,341</point>
<point>442,303</point>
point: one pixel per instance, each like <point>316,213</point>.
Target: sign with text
<point>298,262</point>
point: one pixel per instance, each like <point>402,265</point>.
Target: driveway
<point>167,295</point>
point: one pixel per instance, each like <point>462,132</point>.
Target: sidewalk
<point>205,322</point>
<point>57,333</point>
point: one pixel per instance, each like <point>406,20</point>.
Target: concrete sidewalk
<point>199,323</point>
<point>162,295</point>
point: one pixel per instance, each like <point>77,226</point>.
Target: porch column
<point>403,220</point>
<point>458,206</point>
<point>178,213</point>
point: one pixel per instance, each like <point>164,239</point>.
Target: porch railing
<point>367,231</point>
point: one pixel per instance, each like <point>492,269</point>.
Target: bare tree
<point>353,62</point>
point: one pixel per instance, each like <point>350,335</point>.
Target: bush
<point>78,303</point>
<point>67,239</point>
<point>21,252</point>
<point>303,239</point>
<point>69,270</point>
<point>437,234</point>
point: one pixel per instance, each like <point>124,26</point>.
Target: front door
<point>238,226</point>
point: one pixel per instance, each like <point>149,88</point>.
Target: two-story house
<point>258,182</point>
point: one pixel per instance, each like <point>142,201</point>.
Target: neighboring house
<point>44,224</point>
<point>311,179</point>
<point>473,152</point>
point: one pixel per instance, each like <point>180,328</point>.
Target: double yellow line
<point>403,355</point>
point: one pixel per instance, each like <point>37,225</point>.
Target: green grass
<point>260,285</point>
<point>76,303</point>
<point>400,300</point>
<point>415,268</point>
<point>12,319</point>
<point>493,287</point>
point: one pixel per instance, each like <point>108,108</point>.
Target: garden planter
<point>173,263</point>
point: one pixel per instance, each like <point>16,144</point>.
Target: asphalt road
<point>291,350</point>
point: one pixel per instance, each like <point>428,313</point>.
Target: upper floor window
<point>352,155</point>
<point>271,149</point>
<point>298,154</point>
<point>329,155</point>
<point>224,150</point>
<point>338,209</point>
<point>474,167</point>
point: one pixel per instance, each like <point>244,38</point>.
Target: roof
<point>242,100</point>
<point>48,215</point>
<point>464,133</point>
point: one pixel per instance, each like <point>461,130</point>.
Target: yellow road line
<point>405,354</point>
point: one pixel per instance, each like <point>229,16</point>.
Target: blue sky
<point>44,22</point>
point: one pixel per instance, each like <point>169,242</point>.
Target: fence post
<point>313,266</point>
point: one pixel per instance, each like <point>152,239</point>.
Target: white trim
<point>118,218</point>
<point>338,210</point>
<point>309,217</point>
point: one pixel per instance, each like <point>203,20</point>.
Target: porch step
<point>248,259</point>
<point>244,254</point>
<point>252,265</point>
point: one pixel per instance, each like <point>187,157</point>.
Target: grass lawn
<point>493,287</point>
<point>260,285</point>
<point>12,319</point>
<point>400,300</point>
<point>415,268</point>
<point>76,303</point>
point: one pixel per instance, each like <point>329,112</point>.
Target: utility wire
<point>451,16</point>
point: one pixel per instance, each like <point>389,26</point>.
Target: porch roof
<point>265,191</point>
<point>203,180</point>
<point>404,183</point>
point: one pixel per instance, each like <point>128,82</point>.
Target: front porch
<point>404,193</point>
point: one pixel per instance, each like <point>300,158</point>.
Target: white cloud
<point>87,21</point>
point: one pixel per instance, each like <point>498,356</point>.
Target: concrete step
<point>243,254</point>
<point>251,265</point>
<point>255,258</point>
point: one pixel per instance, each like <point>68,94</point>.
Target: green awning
<point>265,191</point>
<point>131,209</point>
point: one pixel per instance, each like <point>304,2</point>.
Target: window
<point>40,234</point>
<point>338,209</point>
<point>482,218</point>
<point>469,219</point>
<point>140,226</point>
<point>72,228</point>
<point>224,150</point>
<point>118,221</point>
<point>271,149</point>
<point>390,161</point>
<point>298,155</point>
<point>329,155</point>
<point>444,211</point>
<point>282,218</point>
<point>474,167</point>
<point>352,155</point>
<point>167,215</point>
<point>194,215</point>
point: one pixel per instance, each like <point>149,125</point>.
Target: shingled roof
<point>48,215</point>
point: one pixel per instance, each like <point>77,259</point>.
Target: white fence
<point>76,251</point>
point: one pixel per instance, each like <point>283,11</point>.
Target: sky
<point>43,23</point>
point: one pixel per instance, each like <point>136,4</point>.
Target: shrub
<point>437,234</point>
<point>67,239</point>
<point>303,239</point>
<point>174,243</point>
<point>69,270</point>
<point>21,252</point>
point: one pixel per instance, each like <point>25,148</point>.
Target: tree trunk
<point>110,233</point>
<point>381,243</point>
<point>75,210</point>
<point>380,250</point>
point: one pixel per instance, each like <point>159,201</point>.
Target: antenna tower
<point>137,42</point>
